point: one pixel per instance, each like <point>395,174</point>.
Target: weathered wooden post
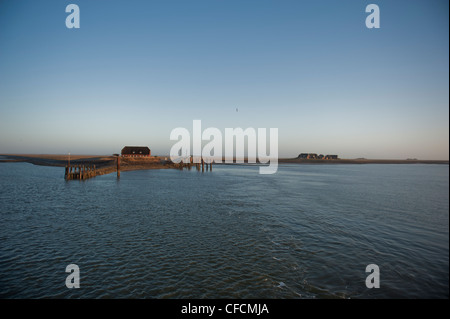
<point>203,165</point>
<point>118,166</point>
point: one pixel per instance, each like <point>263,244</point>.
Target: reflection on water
<point>308,231</point>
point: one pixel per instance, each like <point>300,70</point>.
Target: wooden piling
<point>118,167</point>
<point>80,172</point>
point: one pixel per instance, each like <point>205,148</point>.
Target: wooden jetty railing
<point>189,165</point>
<point>85,171</point>
<point>80,172</point>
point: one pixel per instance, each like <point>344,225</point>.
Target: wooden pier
<point>199,166</point>
<point>80,172</point>
<point>86,171</point>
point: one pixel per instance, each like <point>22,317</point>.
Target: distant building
<point>315,156</point>
<point>308,156</point>
<point>136,151</point>
<point>303,156</point>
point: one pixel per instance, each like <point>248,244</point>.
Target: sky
<point>136,70</point>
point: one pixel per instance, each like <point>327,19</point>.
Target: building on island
<point>136,151</point>
<point>308,156</point>
<point>315,156</point>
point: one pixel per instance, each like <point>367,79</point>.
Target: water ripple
<point>307,232</point>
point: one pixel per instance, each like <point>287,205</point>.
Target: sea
<point>308,231</point>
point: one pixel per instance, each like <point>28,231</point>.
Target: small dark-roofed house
<point>136,151</point>
<point>308,156</point>
<point>331,157</point>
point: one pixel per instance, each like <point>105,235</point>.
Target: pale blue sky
<point>135,70</point>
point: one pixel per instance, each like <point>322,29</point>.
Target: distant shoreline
<point>361,161</point>
<point>159,162</point>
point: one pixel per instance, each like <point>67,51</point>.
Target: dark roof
<point>141,150</point>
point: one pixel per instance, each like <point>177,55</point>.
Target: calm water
<point>308,231</point>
